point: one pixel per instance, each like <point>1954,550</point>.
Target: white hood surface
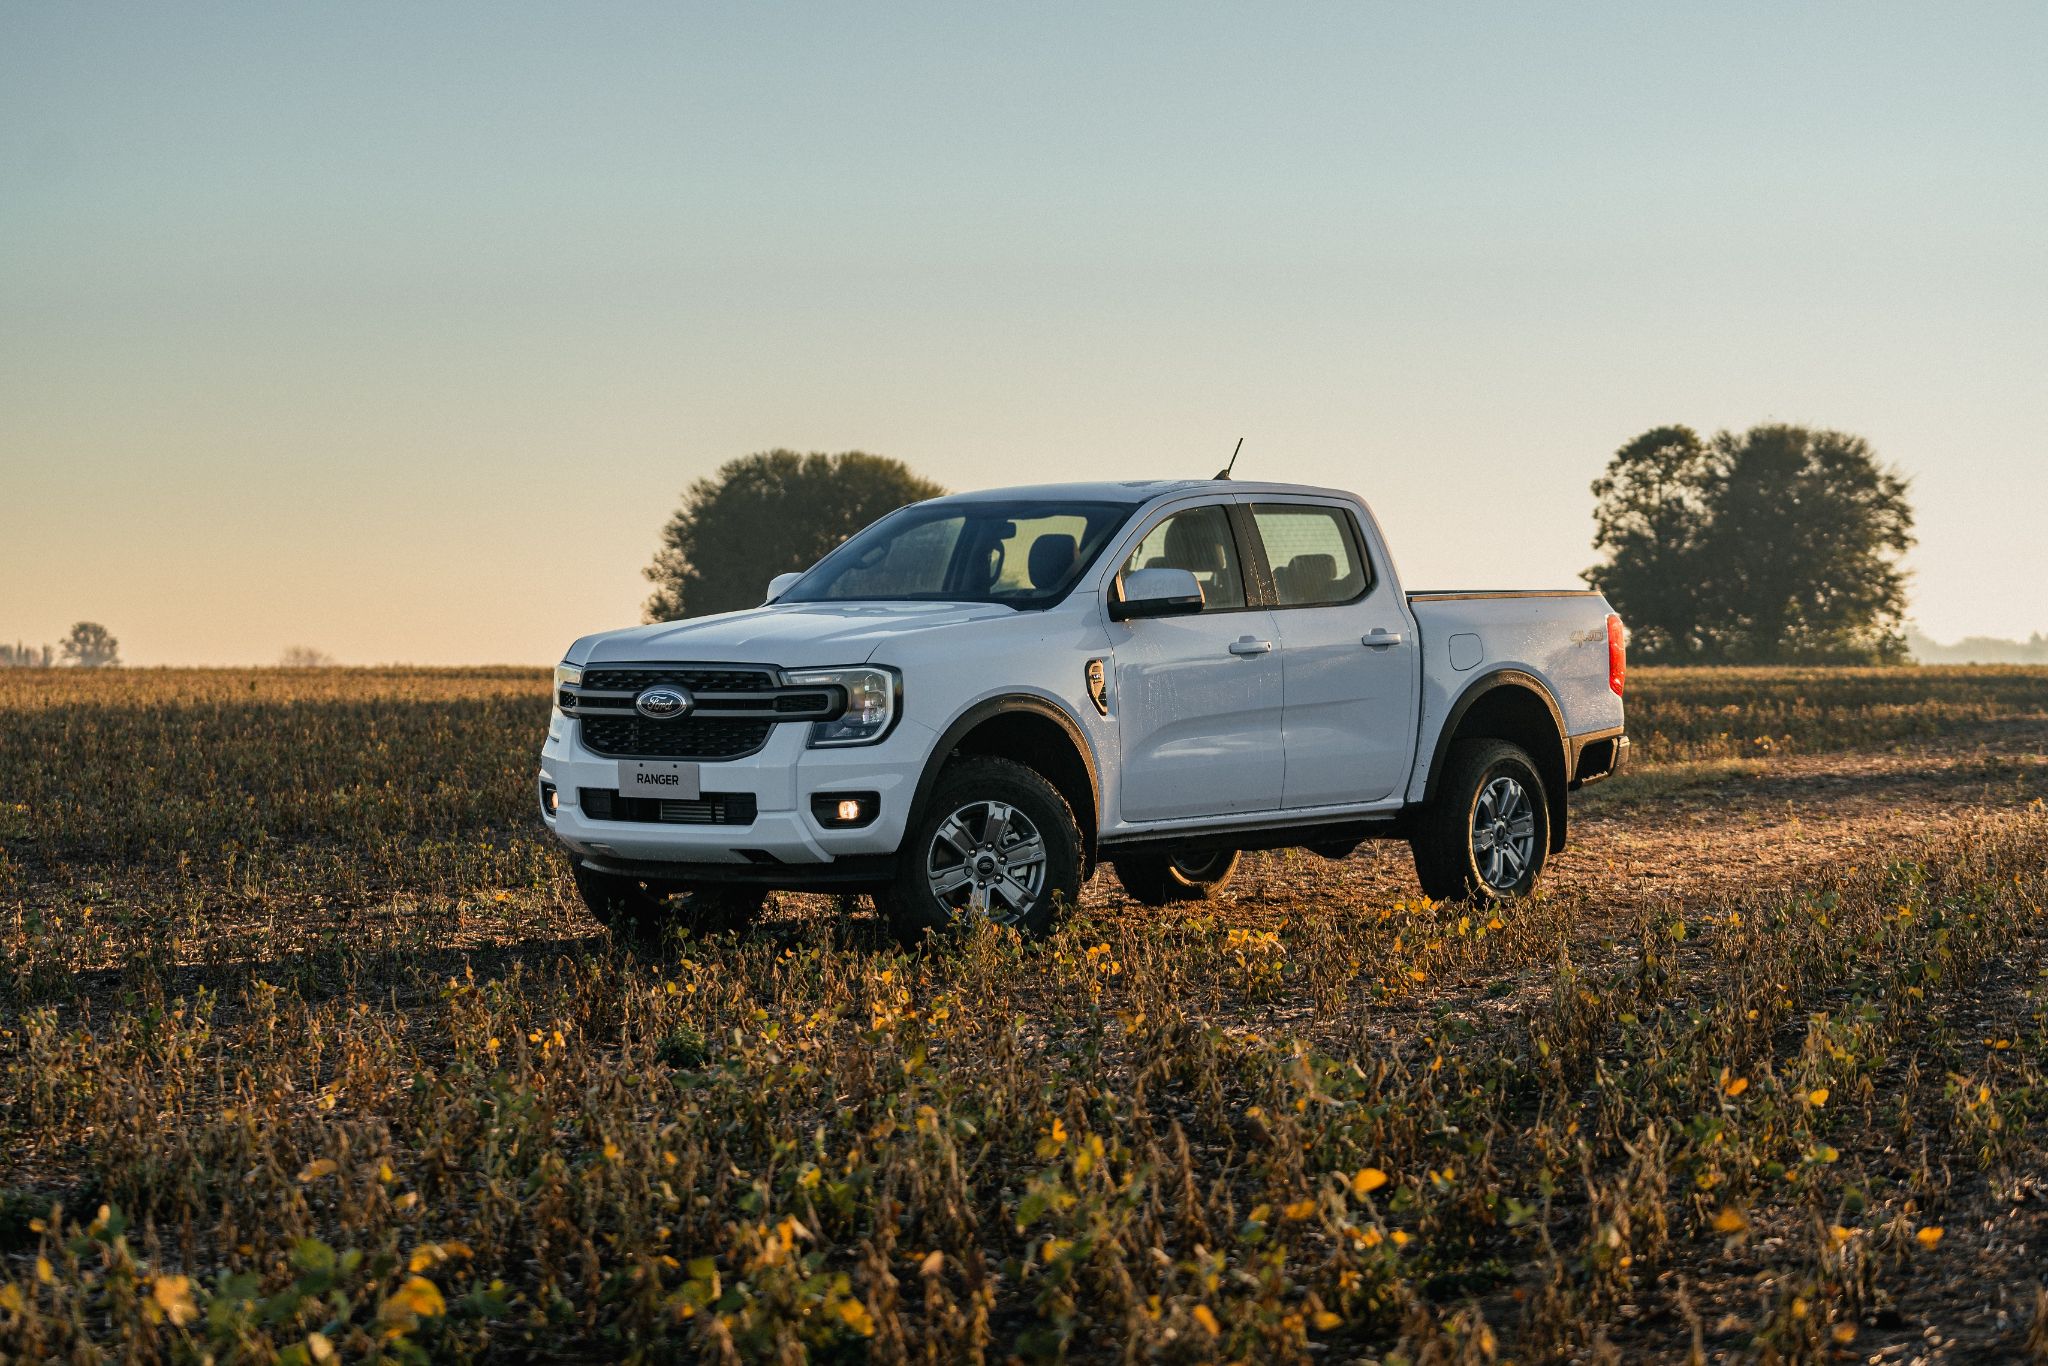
<point>797,635</point>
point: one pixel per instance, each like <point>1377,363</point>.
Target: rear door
<point>1197,698</point>
<point>1348,652</point>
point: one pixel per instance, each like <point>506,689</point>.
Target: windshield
<point>1023,554</point>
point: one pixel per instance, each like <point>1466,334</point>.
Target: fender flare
<point>1492,682</point>
<point>1009,704</point>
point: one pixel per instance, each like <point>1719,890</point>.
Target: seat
<point>1308,579</point>
<point>1051,561</point>
<point>1192,544</point>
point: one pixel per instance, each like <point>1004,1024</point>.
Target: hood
<point>802,635</point>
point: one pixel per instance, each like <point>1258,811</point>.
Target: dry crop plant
<point>1360,1127</point>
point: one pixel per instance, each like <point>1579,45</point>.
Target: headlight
<point>566,676</point>
<point>873,694</point>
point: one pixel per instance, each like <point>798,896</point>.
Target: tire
<point>629,907</point>
<point>1163,879</point>
<point>995,841</point>
<point>1487,834</point>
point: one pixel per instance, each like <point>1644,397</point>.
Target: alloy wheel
<point>988,859</point>
<point>1503,832</point>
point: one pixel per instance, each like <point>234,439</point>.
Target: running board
<point>1345,832</point>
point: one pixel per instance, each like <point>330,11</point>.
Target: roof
<point>1131,490</point>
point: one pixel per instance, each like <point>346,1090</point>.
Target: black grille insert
<point>713,808</point>
<point>692,737</point>
<point>696,680</point>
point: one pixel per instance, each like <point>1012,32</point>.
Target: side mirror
<point>779,585</point>
<point>1155,593</point>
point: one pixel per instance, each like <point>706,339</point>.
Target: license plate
<point>639,778</point>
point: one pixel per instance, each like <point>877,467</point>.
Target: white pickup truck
<point>971,704</point>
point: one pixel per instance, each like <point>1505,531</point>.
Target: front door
<point>1349,656</point>
<point>1198,698</point>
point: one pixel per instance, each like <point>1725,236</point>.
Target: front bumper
<point>781,779</point>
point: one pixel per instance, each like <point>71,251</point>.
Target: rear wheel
<point>631,907</point>
<point>1486,835</point>
<point>1162,879</point>
<point>995,842</point>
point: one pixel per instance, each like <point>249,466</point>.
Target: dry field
<point>310,1054</point>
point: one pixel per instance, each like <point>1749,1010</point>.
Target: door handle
<point>1245,646</point>
<point>1380,638</point>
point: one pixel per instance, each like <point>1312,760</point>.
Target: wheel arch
<point>1516,706</point>
<point>1031,730</point>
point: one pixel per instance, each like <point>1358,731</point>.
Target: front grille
<point>733,711</point>
<point>691,737</point>
<point>696,680</point>
<point>713,808</point>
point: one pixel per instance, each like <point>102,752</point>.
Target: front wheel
<point>631,907</point>
<point>995,842</point>
<point>1486,835</point>
<point>1162,879</point>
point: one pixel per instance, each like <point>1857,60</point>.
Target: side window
<point>1198,541</point>
<point>1314,559</point>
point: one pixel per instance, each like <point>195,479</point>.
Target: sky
<point>396,330</point>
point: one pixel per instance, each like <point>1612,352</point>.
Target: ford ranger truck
<point>969,706</point>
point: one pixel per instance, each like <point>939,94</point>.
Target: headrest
<point>1313,575</point>
<point>1190,545</point>
<point>1051,560</point>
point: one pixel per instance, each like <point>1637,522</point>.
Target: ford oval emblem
<point>663,703</point>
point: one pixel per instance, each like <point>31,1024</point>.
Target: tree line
<point>1780,544</point>
<point>88,645</point>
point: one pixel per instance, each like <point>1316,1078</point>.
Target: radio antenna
<point>1224,473</point>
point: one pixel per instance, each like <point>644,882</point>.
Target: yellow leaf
<point>1930,1235</point>
<point>44,1271</point>
<point>173,1295</point>
<point>1736,1086</point>
<point>1400,1237</point>
<point>855,1315</point>
<point>1059,1131</point>
<point>932,1265</point>
<point>1208,1321</point>
<point>418,1297</point>
<point>11,1299</point>
<point>318,1168</point>
<point>1844,1333</point>
<point>1300,1209</point>
<point>319,1347</point>
<point>1325,1321</point>
<point>1366,1180</point>
<point>1730,1221</point>
<point>1817,1097</point>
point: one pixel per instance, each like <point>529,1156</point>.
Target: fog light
<point>845,810</point>
<point>550,799</point>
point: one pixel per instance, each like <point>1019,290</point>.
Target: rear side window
<point>1314,558</point>
<point>1198,541</point>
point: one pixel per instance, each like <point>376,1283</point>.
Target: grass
<point>308,1050</point>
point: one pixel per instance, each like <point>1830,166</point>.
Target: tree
<point>1778,544</point>
<point>768,514</point>
<point>1650,519</point>
<point>90,647</point>
<point>304,657</point>
<point>20,656</point>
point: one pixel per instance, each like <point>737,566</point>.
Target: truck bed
<point>1559,637</point>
